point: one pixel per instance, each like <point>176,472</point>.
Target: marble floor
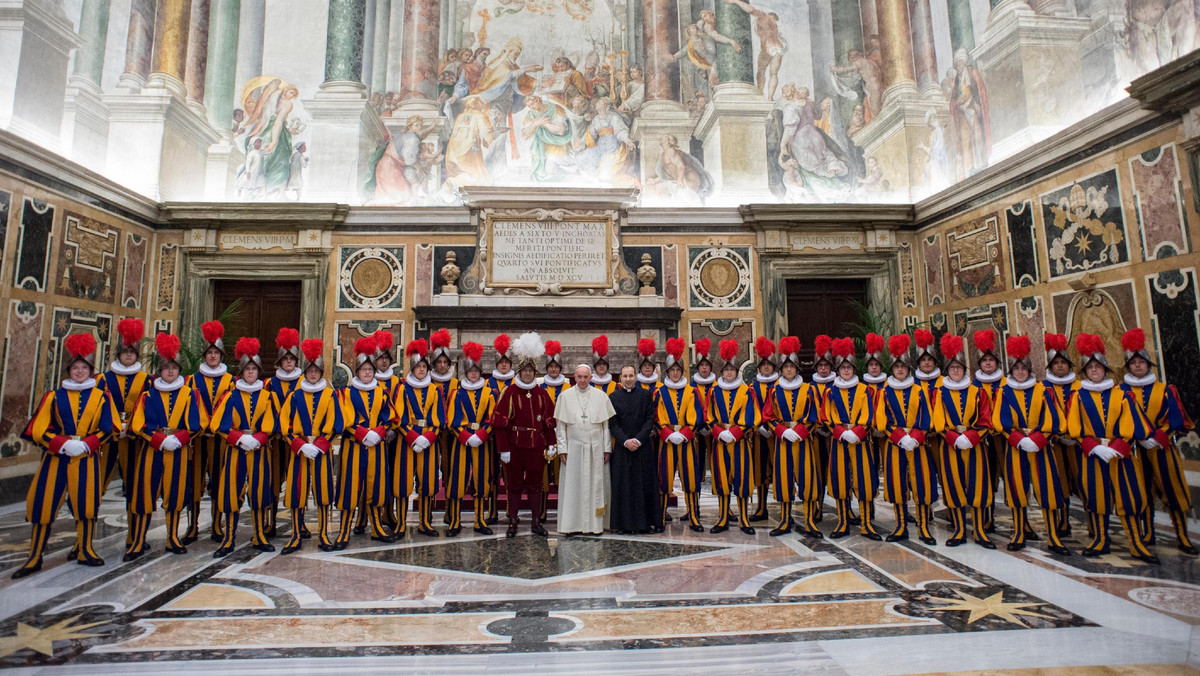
<point>677,602</point>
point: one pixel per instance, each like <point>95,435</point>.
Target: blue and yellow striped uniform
<point>901,411</point>
<point>966,479</point>
<point>208,450</point>
<point>245,474</point>
<point>796,463</point>
<point>313,418</point>
<point>420,413</point>
<point>362,470</point>
<point>733,463</point>
<point>471,414</point>
<point>851,471</point>
<point>679,410</point>
<point>125,390</point>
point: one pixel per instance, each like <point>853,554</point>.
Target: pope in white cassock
<point>584,444</point>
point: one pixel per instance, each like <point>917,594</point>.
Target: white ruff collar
<point>121,369</point>
<point>767,379</point>
<point>932,375</point>
<point>313,387</point>
<point>412,381</point>
<point>360,385</point>
<point>384,375</point>
<point>729,385</point>
<point>85,385</point>
<point>524,385</point>
<point>1102,386</point>
<point>437,377</point>
<point>956,384</point>
<point>845,384</point>
<point>986,378</point>
<point>675,384</point>
<point>163,386</point>
<point>472,386</point>
<point>823,380</point>
<point>1148,379</point>
<point>649,380</point>
<point>210,372</point>
<point>503,376</point>
<point>875,380</point>
<point>1064,380</point>
<point>791,384</point>
<point>900,384</point>
<point>288,376</point>
<point>1022,386</point>
<point>246,387</point>
<point>554,382</point>
<point>701,380</point>
<point>601,380</point>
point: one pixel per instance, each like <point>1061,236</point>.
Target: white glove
<point>962,443</point>
<point>850,437</point>
<point>1028,445</point>
<point>676,438</point>
<point>908,443</point>
<point>420,444</point>
<point>727,436</point>
<point>1149,444</point>
<point>170,443</point>
<point>505,457</point>
<point>74,448</point>
<point>1105,453</point>
<point>764,431</point>
<point>790,436</point>
<point>371,438</point>
<point>474,441</point>
<point>247,442</point>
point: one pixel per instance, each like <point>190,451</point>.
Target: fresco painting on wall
<point>270,129</point>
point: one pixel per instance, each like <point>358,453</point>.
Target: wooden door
<point>816,306</point>
<point>265,308</point>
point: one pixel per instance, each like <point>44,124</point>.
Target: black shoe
<point>483,530</point>
<point>1147,558</point>
<point>718,529</point>
<point>892,537</point>
<point>388,539</point>
<point>1031,536</point>
<point>222,552</point>
<point>657,529</point>
<point>453,532</point>
<point>360,530</point>
<point>668,518</point>
<point>1065,531</point>
<point>748,530</point>
<point>908,518</point>
<point>133,556</point>
<point>428,532</point>
<point>492,520</point>
<point>927,540</point>
<point>339,546</point>
<point>1093,553</point>
<point>761,516</point>
<point>1015,546</point>
<point>839,533</point>
<point>93,561</point>
<point>696,528</point>
<point>305,535</point>
<point>986,544</point>
<point>270,532</point>
<point>265,547</point>
<point>28,570</point>
<point>776,532</point>
<point>176,550</point>
<point>73,554</point>
<point>512,531</point>
<point>1060,550</point>
<point>624,531</point>
<point>1190,550</point>
<point>188,539</point>
<point>540,530</point>
<point>876,537</point>
<point>327,546</point>
<point>990,528</point>
<point>854,520</point>
<point>216,537</point>
<point>289,549</point>
<point>954,542</point>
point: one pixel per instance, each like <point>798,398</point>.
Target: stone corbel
<point>200,239</point>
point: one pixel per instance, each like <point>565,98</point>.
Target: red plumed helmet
<point>312,349</point>
<point>81,346</point>
<point>416,350</point>
<point>728,350</point>
<point>502,343</point>
<point>675,347</point>
<point>600,348</point>
<point>874,343</point>
<point>246,347</point>
<point>440,338</point>
<point>167,347</point>
<point>364,352</point>
<point>1133,340</point>
<point>646,347</point>
<point>765,348</point>
<point>822,347</point>
<point>287,338</point>
<point>789,345</point>
<point>843,349</point>
<point>132,331</point>
<point>1056,342</point>
<point>384,340</point>
<point>898,345</point>
<point>703,346</point>
<point>213,331</point>
<point>1018,348</point>
<point>924,338</point>
<point>985,341</point>
<point>553,349</point>
<point>1091,347</point>
<point>473,352</point>
<point>952,348</point>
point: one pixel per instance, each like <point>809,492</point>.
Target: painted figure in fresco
<point>399,175</point>
<point>821,162</point>
<point>250,180</point>
<point>680,176</point>
<point>549,132</point>
<point>632,90</point>
<point>937,167</point>
<point>771,48</point>
<point>470,139</point>
<point>297,165</point>
<point>608,150</point>
<point>970,128</point>
<point>864,74</point>
<point>1158,31</point>
<point>696,63</point>
<point>564,82</point>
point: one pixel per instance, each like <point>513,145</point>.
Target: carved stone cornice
<point>759,217</point>
<point>1172,88</point>
<point>252,216</point>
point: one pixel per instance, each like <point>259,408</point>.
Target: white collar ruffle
<point>766,379</point>
<point>413,381</point>
<point>524,385</point>
<point>729,384</point>
<point>210,372</point>
<point>288,376</point>
<point>874,380</point>
<point>360,385</point>
<point>793,384</point>
<point>554,382</point>
<point>472,386</point>
<point>1063,380</point>
<point>994,377</point>
<point>1022,386</point>
<point>824,380</point>
<point>385,375</point>
<point>601,380</point>
<point>675,384</point>
<point>900,384</point>
<point>1148,379</point>
<point>123,370</point>
<point>649,380</point>
<point>1102,386</point>
<point>85,385</point>
<point>503,376</point>
<point>845,384</point>
<point>313,387</point>
<point>932,375</point>
<point>441,378</point>
<point>243,386</point>
<point>956,384</point>
<point>701,380</point>
<point>163,386</point>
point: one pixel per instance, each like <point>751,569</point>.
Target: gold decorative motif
<point>372,277</point>
<point>719,277</point>
<point>42,640</point>
<point>992,605</point>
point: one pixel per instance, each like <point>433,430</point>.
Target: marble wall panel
<point>908,284</point>
<point>1084,225</point>
<point>5,211</point>
<point>33,245</point>
<point>346,333</point>
<point>137,254</point>
<point>425,275</point>
<point>22,336</point>
<point>1158,196</point>
<point>1175,304</point>
<point>719,277</point>
<point>670,275</point>
<point>1022,244</point>
<point>168,276</point>
<point>976,267</point>
<point>370,278</point>
<point>935,275</point>
<point>1031,321</point>
<point>464,256</point>
<point>87,259</point>
<point>1106,311</point>
<point>632,256</point>
<point>716,330</point>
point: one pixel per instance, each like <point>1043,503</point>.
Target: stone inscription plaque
<point>566,252</point>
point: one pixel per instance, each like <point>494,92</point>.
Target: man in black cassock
<point>635,500</point>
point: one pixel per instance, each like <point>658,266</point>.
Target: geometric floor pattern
<point>670,603</point>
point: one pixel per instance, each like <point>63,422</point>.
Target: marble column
<point>419,58</point>
<point>139,45</point>
<point>895,42</point>
<point>368,44</point>
<point>962,27</point>
<point>870,18</point>
<point>848,31</point>
<point>220,94</point>
<point>1001,9</point>
<point>36,40</point>
<point>733,65</point>
<point>661,114</point>
<point>924,55</point>
<point>824,53</point>
<point>172,22</point>
<point>85,118</point>
<point>451,25</point>
<point>344,42</point>
<point>197,55</point>
<point>379,49</point>
<point>443,24</point>
<point>252,32</point>
<point>1050,7</point>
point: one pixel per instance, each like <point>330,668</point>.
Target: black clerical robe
<point>636,504</point>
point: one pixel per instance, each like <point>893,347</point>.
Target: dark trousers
<point>523,474</point>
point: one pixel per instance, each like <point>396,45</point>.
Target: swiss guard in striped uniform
<point>962,415</point>
<point>421,415</point>
<point>851,472</point>
<point>1163,418</point>
<point>165,419</point>
<point>444,380</point>
<point>553,382</point>
<point>470,423</point>
<point>679,413</point>
<point>731,416</point>
<point>902,412</point>
<point>703,380</point>
<point>281,385</point>
<point>928,377</point>
<point>362,473</point>
<point>1103,421</point>
<point>210,383</point>
<point>762,392</point>
<point>1062,386</point>
<point>875,379</point>
<point>310,418</point>
<point>124,381</point>
<point>1026,417</point>
<point>382,362</point>
<point>601,378</point>
<point>70,425</point>
<point>246,419</point>
<point>989,378</point>
<point>794,457</point>
<point>822,381</point>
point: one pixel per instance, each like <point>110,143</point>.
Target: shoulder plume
<point>287,338</point>
<point>951,345</point>
<point>167,345</point>
<point>439,339</point>
<point>1133,340</point>
<point>646,347</point>
<point>213,331</point>
<point>1017,347</point>
<point>1056,342</point>
<point>985,340</point>
<point>764,347</point>
<point>81,344</point>
<point>473,351</point>
<point>874,343</point>
<point>729,349</point>
<point>1089,344</point>
<point>924,338</point>
<point>675,347</point>
<point>131,330</point>
<point>600,345</point>
<point>365,345</point>
<point>553,347</point>
<point>898,344</point>
<point>502,343</point>
<point>843,347</point>
<point>789,345</point>
<point>703,346</point>
<point>384,340</point>
<point>312,348</point>
<point>246,347</point>
<point>822,344</point>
